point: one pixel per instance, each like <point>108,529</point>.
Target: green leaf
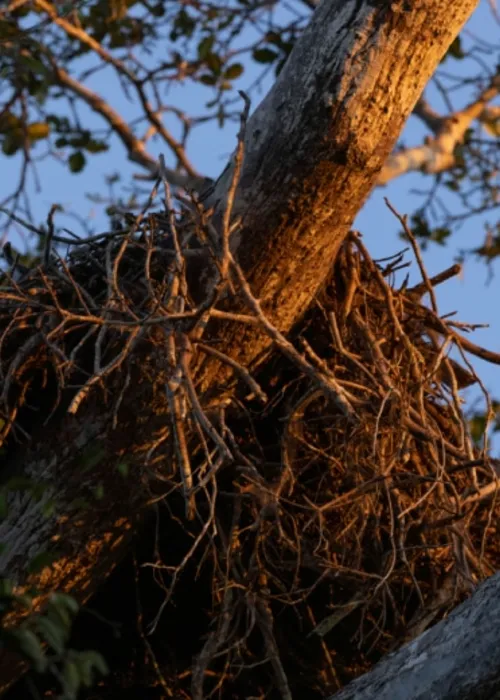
<point>52,633</point>
<point>6,588</point>
<point>28,644</point>
<point>76,162</point>
<point>91,457</point>
<point>19,483</point>
<point>85,669</point>
<point>48,508</point>
<point>80,503</point>
<point>94,146</point>
<point>207,79</point>
<point>38,130</point>
<point>60,123</point>
<point>264,55</point>
<point>80,140</point>
<point>233,71</point>
<point>455,49</point>
<point>157,10</point>
<point>274,38</point>
<point>66,601</point>
<point>9,121</point>
<point>122,468</point>
<point>205,47</point>
<point>70,680</point>
<point>38,490</point>
<point>61,616</point>
<point>214,63</point>
<point>90,662</point>
<point>440,234</point>
<point>33,64</point>
<point>477,425</point>
<point>12,142</point>
<point>184,25</point>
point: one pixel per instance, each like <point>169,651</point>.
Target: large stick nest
<point>325,525</point>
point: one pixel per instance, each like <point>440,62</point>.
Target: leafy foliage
<point>42,639</point>
<point>422,230</point>
<point>51,53</point>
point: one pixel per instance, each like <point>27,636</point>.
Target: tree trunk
<point>457,659</point>
<point>313,150</point>
<point>315,146</point>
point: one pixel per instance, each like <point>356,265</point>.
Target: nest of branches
<point>336,507</point>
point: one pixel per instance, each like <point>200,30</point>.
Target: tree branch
<point>86,40</point>
<point>137,153</point>
<point>437,154</point>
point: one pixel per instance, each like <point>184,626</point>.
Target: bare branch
<point>84,38</point>
<point>437,154</point>
<point>135,148</point>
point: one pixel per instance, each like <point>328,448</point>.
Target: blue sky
<point>471,296</point>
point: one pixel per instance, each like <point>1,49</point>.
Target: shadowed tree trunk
<point>312,153</point>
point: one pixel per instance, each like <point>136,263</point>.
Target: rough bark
<point>313,150</point>
<point>316,144</point>
<point>459,658</point>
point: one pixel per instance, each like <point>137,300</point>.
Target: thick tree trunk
<point>313,150</point>
<point>315,146</point>
<point>457,659</point>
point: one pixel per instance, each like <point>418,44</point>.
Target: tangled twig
<point>340,487</point>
